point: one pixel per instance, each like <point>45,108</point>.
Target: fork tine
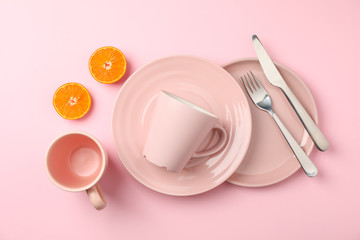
<point>252,82</point>
<point>257,81</point>
<point>247,85</point>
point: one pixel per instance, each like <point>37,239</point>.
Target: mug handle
<point>96,196</point>
<point>219,145</point>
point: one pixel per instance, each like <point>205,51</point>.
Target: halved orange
<point>107,65</point>
<point>72,101</point>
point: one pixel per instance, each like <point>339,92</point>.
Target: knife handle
<point>316,135</point>
<point>305,162</point>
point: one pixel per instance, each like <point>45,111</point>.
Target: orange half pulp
<point>107,65</point>
<point>72,101</point>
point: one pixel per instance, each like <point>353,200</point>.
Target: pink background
<point>47,43</point>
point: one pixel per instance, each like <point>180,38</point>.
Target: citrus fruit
<point>107,65</point>
<point>72,101</point>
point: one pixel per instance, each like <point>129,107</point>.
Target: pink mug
<point>176,130</point>
<point>75,162</point>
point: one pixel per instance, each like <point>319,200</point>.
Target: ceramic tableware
<point>262,100</point>
<point>275,162</point>
<point>75,162</point>
<point>202,83</point>
<point>177,128</point>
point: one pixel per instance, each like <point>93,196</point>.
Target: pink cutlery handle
<point>96,196</point>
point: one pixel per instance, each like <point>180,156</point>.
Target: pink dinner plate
<point>269,159</point>
<point>196,80</point>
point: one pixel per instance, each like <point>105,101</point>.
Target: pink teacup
<point>176,130</point>
<point>75,162</point>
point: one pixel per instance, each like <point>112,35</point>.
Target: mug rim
<point>188,103</point>
<point>92,183</point>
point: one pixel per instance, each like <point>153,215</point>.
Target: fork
<point>262,100</point>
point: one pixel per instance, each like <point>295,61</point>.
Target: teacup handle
<point>218,146</point>
<point>96,196</point>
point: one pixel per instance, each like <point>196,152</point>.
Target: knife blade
<point>275,78</point>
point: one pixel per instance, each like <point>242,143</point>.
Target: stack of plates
<point>256,153</point>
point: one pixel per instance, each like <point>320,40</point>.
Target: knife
<point>275,78</point>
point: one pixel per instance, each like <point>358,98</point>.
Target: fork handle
<point>305,162</point>
<point>316,135</point>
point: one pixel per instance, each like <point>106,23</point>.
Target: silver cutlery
<point>262,100</point>
<point>277,80</point>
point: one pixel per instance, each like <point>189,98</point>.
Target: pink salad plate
<point>198,81</point>
<point>269,159</point>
